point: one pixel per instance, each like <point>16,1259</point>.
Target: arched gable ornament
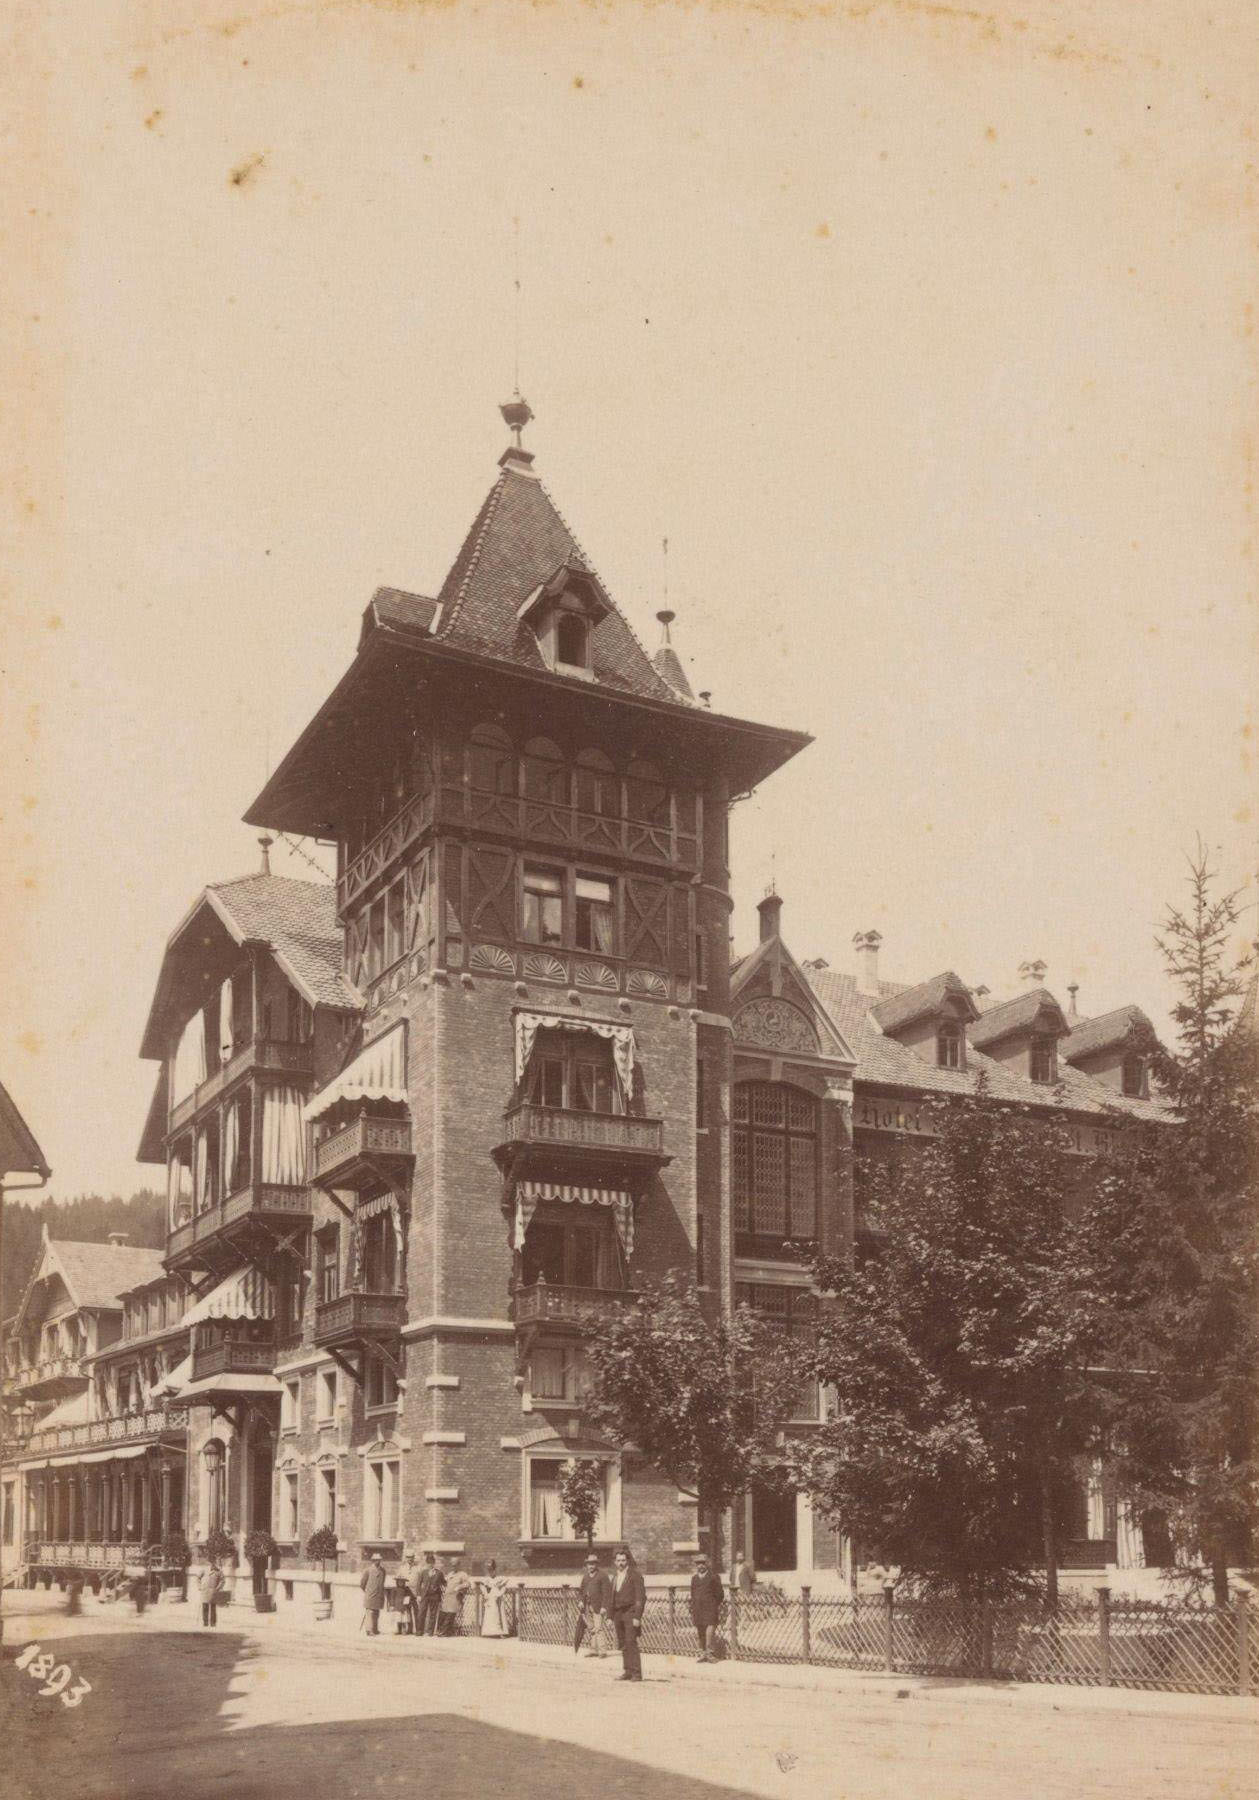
<point>774,1024</point>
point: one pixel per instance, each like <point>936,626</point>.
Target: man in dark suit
<point>429,1593</point>
<point>594,1599</point>
<point>629,1597</point>
<point>707,1600</point>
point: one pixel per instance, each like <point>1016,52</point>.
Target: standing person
<point>429,1590</point>
<point>451,1604</point>
<point>629,1597</point>
<point>742,1575</point>
<point>494,1590</point>
<point>208,1587</point>
<point>372,1582</point>
<point>408,1606</point>
<point>594,1600</point>
<point>707,1600</point>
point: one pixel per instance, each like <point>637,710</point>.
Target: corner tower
<point>532,850</point>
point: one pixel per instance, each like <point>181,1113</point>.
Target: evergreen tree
<point>959,1345</point>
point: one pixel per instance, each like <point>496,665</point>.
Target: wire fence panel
<point>1083,1641</point>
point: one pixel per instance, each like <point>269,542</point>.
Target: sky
<point>922,333</point>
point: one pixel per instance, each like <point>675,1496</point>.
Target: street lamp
<point>212,1456</point>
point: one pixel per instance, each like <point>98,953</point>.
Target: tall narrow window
<point>492,761</point>
<point>326,1497</point>
<point>328,1263</point>
<point>546,777</point>
<point>570,640</point>
<point>774,1145</point>
<point>646,796</point>
<point>949,1046</point>
<point>595,919</point>
<point>1134,1077</point>
<point>598,784</point>
<point>543,921</point>
<point>1044,1060</point>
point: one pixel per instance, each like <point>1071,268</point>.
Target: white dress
<point>493,1618</point>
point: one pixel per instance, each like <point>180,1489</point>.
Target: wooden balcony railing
<point>99,1434</point>
<point>278,1058</point>
<point>50,1370</point>
<point>222,1347</point>
<point>357,1315</point>
<point>410,822</point>
<point>547,1303</point>
<point>623,1134</point>
<point>337,1157</point>
<point>262,1200</point>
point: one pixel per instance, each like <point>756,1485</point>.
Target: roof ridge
<point>476,535</point>
<point>261,875</point>
<point>612,600</point>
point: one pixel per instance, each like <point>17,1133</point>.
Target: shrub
<point>220,1546</point>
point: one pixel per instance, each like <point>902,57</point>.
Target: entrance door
<point>773,1531</point>
<point>260,1472</point>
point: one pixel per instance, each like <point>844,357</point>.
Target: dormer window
<point>571,633</point>
<point>949,1046</point>
<point>1134,1077</point>
<point>561,614</point>
<point>1044,1061</point>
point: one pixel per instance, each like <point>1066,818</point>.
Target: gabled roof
<point>404,612</point>
<point>95,1275</point>
<point>1125,1025</point>
<point>517,543</point>
<point>925,1001</point>
<point>791,983</point>
<point>153,1137</point>
<point>1026,1011</point>
<point>295,919</point>
<point>19,1153</point>
<point>883,1062</point>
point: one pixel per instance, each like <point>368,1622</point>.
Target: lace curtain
<point>283,1138</point>
<point>621,1036</point>
<point>189,1068</point>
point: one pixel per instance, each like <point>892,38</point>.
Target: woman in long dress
<point>494,1598</point>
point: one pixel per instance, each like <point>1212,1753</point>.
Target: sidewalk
<point>845,1684</point>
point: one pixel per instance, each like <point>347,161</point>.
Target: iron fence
<point>1094,1641</point>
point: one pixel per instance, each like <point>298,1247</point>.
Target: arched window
<point>493,762</point>
<point>646,796</point>
<point>598,784</point>
<point>775,1144</point>
<point>546,777</point>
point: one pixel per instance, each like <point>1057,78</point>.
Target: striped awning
<point>377,1073</point>
<point>530,1193</point>
<point>245,1295</point>
<point>123,1453</point>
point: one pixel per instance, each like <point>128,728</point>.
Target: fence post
<point>1241,1612</point>
<point>673,1629</point>
<point>889,1639</point>
<point>569,1627</point>
<point>520,1610</point>
<point>734,1621</point>
<point>804,1624</point>
<point>1103,1631</point>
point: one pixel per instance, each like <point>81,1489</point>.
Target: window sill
<point>386,1406</point>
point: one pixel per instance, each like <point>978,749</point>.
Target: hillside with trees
<point>87,1219</point>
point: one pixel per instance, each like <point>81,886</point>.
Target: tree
<point>1192,1249</point>
<point>581,1495</point>
<point>958,1344</point>
<point>700,1398</point>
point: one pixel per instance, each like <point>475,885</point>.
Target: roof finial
<point>266,843</point>
<point>666,619</point>
<point>1073,988</point>
<point>517,412</point>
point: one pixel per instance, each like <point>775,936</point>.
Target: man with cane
<point>594,1602</point>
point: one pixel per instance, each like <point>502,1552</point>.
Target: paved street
<point>253,1710</point>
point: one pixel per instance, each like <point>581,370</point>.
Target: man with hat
<point>707,1600</point>
<point>594,1601</point>
<point>372,1582</point>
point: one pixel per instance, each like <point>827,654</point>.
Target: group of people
<point>430,1597</point>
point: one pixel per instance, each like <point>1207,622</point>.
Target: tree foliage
<point>701,1398</point>
<point>1191,1250</point>
<point>581,1495</point>
<point>958,1345</point>
<point>87,1219</point>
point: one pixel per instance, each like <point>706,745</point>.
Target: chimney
<point>1033,971</point>
<point>120,1237</point>
<point>866,944</point>
<point>770,909</point>
<point>1073,1011</point>
<point>266,843</point>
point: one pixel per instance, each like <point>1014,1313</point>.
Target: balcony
<point>550,1304</point>
<point>193,1244</point>
<point>51,1378</point>
<point>363,1153</point>
<point>276,1059</point>
<point>233,1347</point>
<point>355,1317</point>
<point>100,1434</point>
<point>535,819</point>
<point>408,824</point>
<point>617,1142</point>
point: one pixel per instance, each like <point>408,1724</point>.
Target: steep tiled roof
<point>923,1001</point>
<point>1126,1024</point>
<point>19,1153</point>
<point>299,921</point>
<point>1013,1015</point>
<point>884,1062</point>
<point>406,612</point>
<point>518,541</point>
<point>98,1274</point>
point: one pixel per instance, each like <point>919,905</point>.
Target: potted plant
<point>259,1551</point>
<point>220,1547</point>
<point>321,1547</point>
<point>176,1554</point>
